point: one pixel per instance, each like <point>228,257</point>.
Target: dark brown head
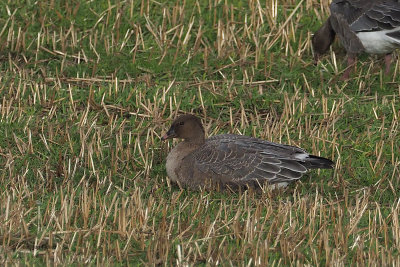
<point>322,40</point>
<point>187,127</point>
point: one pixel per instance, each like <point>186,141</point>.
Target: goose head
<point>322,40</point>
<point>187,127</point>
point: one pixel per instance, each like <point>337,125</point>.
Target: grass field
<point>88,87</point>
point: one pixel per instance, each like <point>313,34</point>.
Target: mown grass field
<point>88,87</point>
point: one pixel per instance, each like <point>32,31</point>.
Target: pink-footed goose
<point>233,161</point>
<point>371,26</point>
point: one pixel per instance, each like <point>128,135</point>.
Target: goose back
<point>371,26</point>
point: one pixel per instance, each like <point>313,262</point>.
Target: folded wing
<point>242,159</point>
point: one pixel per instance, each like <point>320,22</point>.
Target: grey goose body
<point>233,160</point>
<point>371,26</point>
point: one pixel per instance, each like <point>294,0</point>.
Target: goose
<point>371,26</point>
<point>234,161</point>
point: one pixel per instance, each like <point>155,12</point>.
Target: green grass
<point>87,89</point>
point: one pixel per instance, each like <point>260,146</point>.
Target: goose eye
<point>181,123</point>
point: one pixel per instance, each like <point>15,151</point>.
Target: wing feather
<point>246,160</point>
<point>364,16</point>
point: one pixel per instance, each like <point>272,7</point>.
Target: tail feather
<point>315,162</point>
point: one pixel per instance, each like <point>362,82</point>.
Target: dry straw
<point>81,164</point>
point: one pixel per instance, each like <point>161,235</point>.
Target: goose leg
<point>388,61</point>
<point>351,60</point>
